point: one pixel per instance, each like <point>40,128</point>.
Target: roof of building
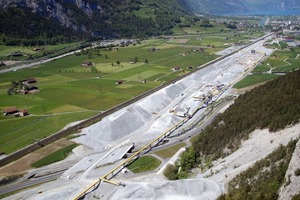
<point>10,110</point>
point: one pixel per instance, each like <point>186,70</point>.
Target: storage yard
<point>141,126</point>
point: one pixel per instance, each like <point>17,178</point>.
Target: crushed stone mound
<point>191,189</point>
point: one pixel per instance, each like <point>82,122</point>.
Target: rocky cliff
<point>63,11</point>
<point>102,18</point>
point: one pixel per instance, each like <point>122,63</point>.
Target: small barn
<point>29,81</point>
<point>87,64</point>
<point>118,82</point>
<point>10,111</point>
<point>23,112</point>
<point>175,69</point>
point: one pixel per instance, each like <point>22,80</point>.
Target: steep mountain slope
<point>103,18</point>
<point>239,6</point>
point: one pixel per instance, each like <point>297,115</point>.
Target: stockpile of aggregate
<point>158,189</point>
<point>149,117</point>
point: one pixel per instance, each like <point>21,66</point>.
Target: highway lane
<point>29,183</point>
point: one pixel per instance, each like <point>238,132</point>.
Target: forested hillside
<point>24,22</point>
<point>273,105</point>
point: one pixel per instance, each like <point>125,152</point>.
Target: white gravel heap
<point>148,118</point>
<point>158,189</point>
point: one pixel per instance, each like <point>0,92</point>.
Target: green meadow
<point>7,50</point>
<point>70,92</point>
<point>282,60</point>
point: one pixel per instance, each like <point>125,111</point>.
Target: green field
<point>70,92</point>
<point>54,157</point>
<point>7,50</point>
<point>144,164</point>
<point>254,79</point>
<point>281,61</point>
<point>169,152</point>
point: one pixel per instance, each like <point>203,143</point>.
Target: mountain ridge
<point>101,18</point>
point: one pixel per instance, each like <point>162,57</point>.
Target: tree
<point>206,23</point>
<point>171,172</point>
<point>10,91</point>
<point>146,61</point>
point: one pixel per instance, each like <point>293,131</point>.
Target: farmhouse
<point>15,54</point>
<point>132,61</point>
<point>175,69</point>
<point>87,64</point>
<point>118,82</point>
<point>13,111</point>
<point>29,81</point>
<point>152,49</point>
<point>23,112</point>
<point>37,49</point>
<point>10,111</point>
<point>32,89</point>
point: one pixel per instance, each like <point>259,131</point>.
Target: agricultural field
<point>282,60</point>
<point>31,52</point>
<point>69,91</point>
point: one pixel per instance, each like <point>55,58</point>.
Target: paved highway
<point>29,183</point>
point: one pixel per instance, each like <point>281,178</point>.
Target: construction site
<point>122,137</point>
